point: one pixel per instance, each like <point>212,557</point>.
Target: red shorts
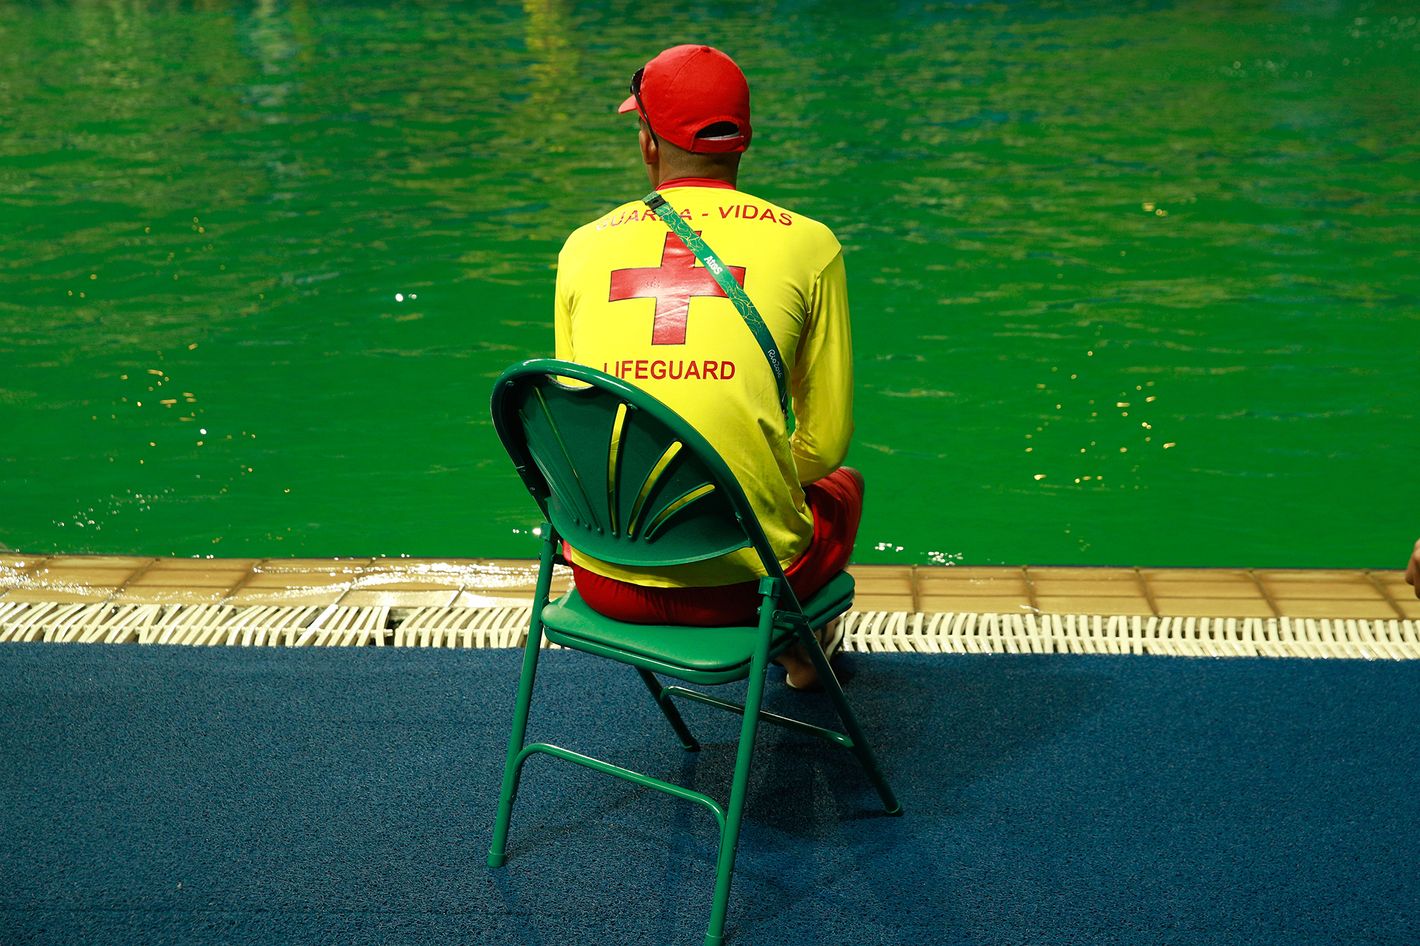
<point>836,502</point>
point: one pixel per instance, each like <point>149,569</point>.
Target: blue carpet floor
<point>288,797</point>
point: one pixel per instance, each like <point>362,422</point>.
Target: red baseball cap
<point>688,89</point>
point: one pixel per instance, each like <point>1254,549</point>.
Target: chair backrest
<point>621,477</point>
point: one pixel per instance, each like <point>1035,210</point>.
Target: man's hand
<point>1412,574</point>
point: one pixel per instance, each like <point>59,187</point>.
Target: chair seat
<point>704,654</point>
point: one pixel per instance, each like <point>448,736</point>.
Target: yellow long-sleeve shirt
<point>633,301</point>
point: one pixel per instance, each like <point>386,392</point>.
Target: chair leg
<point>512,769</point>
<point>734,811</point>
<point>861,749</point>
<point>663,700</point>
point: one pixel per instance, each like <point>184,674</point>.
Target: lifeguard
<point>632,300</point>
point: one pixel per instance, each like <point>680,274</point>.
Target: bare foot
<point>1412,573</point>
<point>799,670</point>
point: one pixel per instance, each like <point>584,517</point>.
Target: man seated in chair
<point>633,301</point>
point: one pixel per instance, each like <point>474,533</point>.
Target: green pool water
<point>1131,284</point>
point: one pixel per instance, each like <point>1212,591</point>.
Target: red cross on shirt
<point>672,284</point>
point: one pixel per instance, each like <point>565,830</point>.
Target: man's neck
<point>725,177</point>
<point>695,182</point>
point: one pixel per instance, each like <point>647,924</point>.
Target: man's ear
<point>650,148</point>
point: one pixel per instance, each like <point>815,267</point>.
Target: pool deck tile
<point>869,571</point>
<point>276,597</point>
<point>57,595</point>
<point>1329,591</point>
<point>1075,587</point>
<point>1095,605</point>
<point>1007,584</point>
<point>1320,608</point>
<point>1163,590</point>
<point>187,578</point>
<point>880,574</point>
<point>167,594</point>
<point>312,580</point>
<point>1309,575</point>
<point>377,582</point>
<point>313,564</point>
<point>1408,608</point>
<point>1074,573</point>
<point>96,573</point>
<point>1002,604</point>
<point>1213,608</point>
<point>480,599</point>
<point>958,572</point>
<point>204,564</point>
<point>129,562</point>
<point>407,598</point>
<point>439,582</point>
<point>875,602</point>
<point>900,588</point>
<point>1196,574</point>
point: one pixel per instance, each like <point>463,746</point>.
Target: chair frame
<point>781,621</point>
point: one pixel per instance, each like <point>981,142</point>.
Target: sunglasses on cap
<point>636,78</point>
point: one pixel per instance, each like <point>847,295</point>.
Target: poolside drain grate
<point>864,631</point>
<point>195,625</point>
<point>970,632</point>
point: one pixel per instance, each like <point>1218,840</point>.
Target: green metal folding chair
<point>623,478</point>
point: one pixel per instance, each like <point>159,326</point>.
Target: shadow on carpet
<point>168,795</point>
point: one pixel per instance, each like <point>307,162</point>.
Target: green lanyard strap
<point>732,289</point>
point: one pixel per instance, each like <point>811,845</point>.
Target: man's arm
<point>822,381</point>
<point>1412,573</point>
<point>561,316</point>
